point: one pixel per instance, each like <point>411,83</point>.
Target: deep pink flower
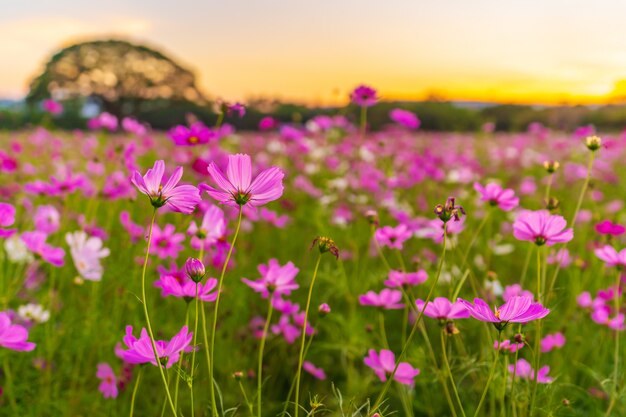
<point>196,134</point>
<point>140,350</point>
<point>442,309</point>
<point>515,310</point>
<point>135,230</point>
<point>131,125</point>
<point>508,346</point>
<point>103,121</point>
<point>118,185</point>
<point>541,227</point>
<point>611,256</point>
<point>13,336</point>
<point>237,108</point>
<point>181,198</point>
<point>525,371</point>
<point>515,290</point>
<point>7,218</point>
<point>495,195</point>
<point>166,242</point>
<point>552,341</point>
<point>405,118</point>
<point>561,257</point>
<point>52,107</point>
<point>108,381</point>
<point>287,329</point>
<point>211,229</point>
<point>607,227</point>
<point>393,237</point>
<point>387,299</point>
<point>275,279</point>
<point>384,363</point>
<point>268,123</point>
<point>314,370</point>
<point>36,243</point>
<point>405,279</point>
<point>47,219</point>
<point>237,188</point>
<point>186,288</point>
<point>364,96</point>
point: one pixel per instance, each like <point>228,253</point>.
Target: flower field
<point>316,269</point>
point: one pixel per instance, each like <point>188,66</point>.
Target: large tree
<point>122,76</point>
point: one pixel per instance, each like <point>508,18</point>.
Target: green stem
<point>513,407</point>
<point>193,353</point>
<point>245,397</point>
<point>132,398</point>
<point>147,316</point>
<point>382,394</point>
<point>383,333</point>
<point>180,360</point>
<point>617,305</point>
<point>537,339</point>
<point>449,372</point>
<point>215,311</point>
<point>10,392</point>
<point>259,387</point>
<point>363,121</point>
<point>303,336</point>
<point>491,373</point>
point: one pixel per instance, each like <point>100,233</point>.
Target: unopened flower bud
<point>593,143</point>
<point>323,309</point>
<point>551,166</point>
<point>325,244</point>
<point>372,217</point>
<point>238,375</point>
<point>449,210</point>
<point>553,204</point>
<point>194,268</point>
<point>451,329</point>
<point>519,338</point>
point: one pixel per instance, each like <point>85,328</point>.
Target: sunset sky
<point>531,51</point>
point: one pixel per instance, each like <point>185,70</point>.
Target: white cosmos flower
<point>86,253</point>
<point>17,251</point>
<point>33,312</point>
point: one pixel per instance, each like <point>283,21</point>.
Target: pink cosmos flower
<point>52,107</point>
<point>185,288</point>
<point>561,257</point>
<point>275,279</point>
<point>236,108</point>
<point>36,243</point>
<point>268,123</point>
<point>612,257</point>
<point>166,242</point>
<point>384,363</point>
<point>387,299</point>
<point>13,336</point>
<point>495,195</point>
<point>405,279</point>
<point>196,134</point>
<point>140,350</point>
<point>515,310</point>
<point>442,309</point>
<point>393,237</point>
<point>135,230</point>
<point>552,341</point>
<point>86,252</point>
<point>47,219</point>
<point>607,227</point>
<point>211,229</point>
<point>314,370</point>
<point>287,329</point>
<point>181,198</point>
<point>515,290</point>
<point>237,188</point>
<point>541,228</point>
<point>108,381</point>
<point>524,370</point>
<point>364,96</point>
<point>131,125</point>
<point>118,185</point>
<point>7,218</point>
<point>405,118</point>
<point>103,121</point>
<point>508,346</point>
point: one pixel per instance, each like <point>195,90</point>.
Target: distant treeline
<point>434,116</point>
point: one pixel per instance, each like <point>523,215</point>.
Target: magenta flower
<point>52,107</point>
<point>196,134</point>
<point>607,227</point>
<point>541,228</point>
<point>211,229</point>
<point>405,279</point>
<point>275,279</point>
<point>7,218</point>
<point>268,123</point>
<point>186,288</point>
<point>508,346</point>
<point>611,256</point>
<point>495,195</point>
<point>166,242</point>
<point>140,350</point>
<point>103,121</point>
<point>287,329</point>
<point>314,370</point>
<point>47,219</point>
<point>237,108</point>
<point>238,189</point>
<point>364,96</point>
<point>108,381</point>
<point>36,243</point>
<point>131,125</point>
<point>524,370</point>
<point>13,336</point>
<point>442,309</point>
<point>387,299</point>
<point>552,341</point>
<point>393,237</point>
<point>384,363</point>
<point>181,198</point>
<point>515,310</point>
<point>515,290</point>
<point>405,118</point>
<point>135,230</point>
